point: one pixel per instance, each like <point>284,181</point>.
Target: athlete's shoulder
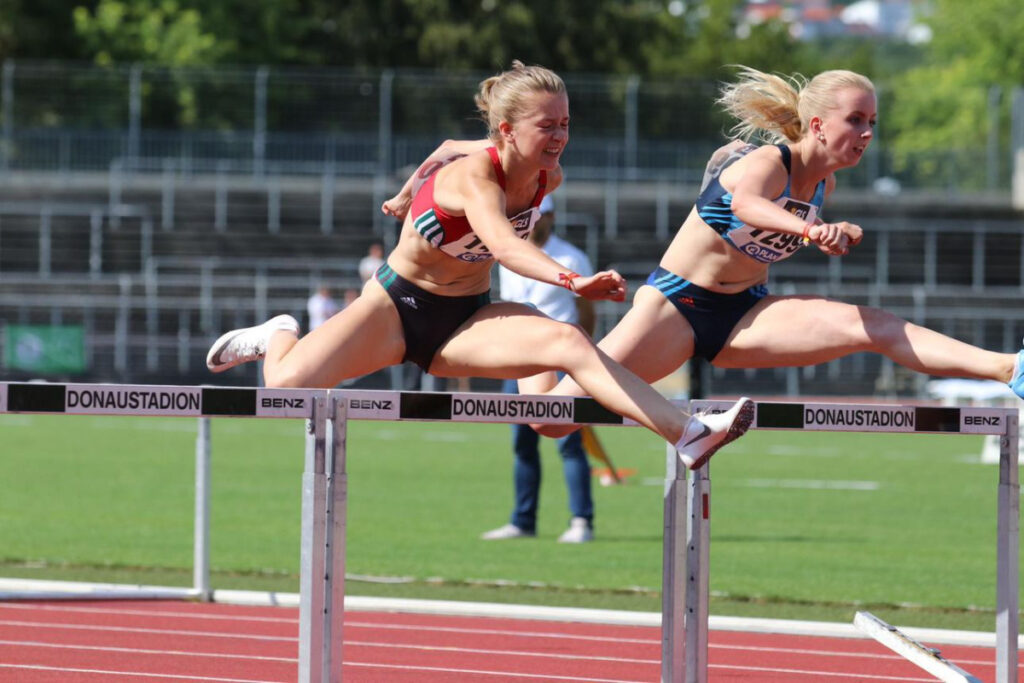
<point>772,153</point>
<point>722,158</point>
<point>476,169</point>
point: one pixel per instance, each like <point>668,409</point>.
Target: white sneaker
<point>246,344</point>
<point>505,532</point>
<point>705,433</point>
<point>579,531</point>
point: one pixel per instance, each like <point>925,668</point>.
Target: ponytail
<point>777,109</point>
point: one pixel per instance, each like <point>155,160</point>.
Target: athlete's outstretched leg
<point>362,338</point>
<point>510,340</point>
<point>802,330</point>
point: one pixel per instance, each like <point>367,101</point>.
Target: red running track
<point>113,642</point>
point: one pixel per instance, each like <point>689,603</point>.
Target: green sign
<point>45,348</point>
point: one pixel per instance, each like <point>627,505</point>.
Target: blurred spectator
<point>373,260</point>
<point>321,306</point>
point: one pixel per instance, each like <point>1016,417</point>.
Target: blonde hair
<point>778,109</point>
<point>502,97</point>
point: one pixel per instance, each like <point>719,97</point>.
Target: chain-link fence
<point>71,117</point>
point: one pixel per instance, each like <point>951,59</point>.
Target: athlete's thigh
<point>504,341</point>
<point>653,339</point>
<point>364,337</point>
<point>793,330</point>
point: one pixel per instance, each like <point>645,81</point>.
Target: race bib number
<point>766,246</point>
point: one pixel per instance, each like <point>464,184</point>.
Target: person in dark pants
<point>560,304</point>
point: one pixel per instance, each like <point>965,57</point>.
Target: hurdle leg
<point>1008,547</point>
<point>673,582</point>
<point>201,524</point>
<point>698,546</point>
<point>337,516</point>
<point>313,641</point>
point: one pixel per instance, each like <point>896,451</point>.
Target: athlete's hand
<point>853,232</point>
<point>606,284</point>
<point>835,239</point>
<point>397,206</point>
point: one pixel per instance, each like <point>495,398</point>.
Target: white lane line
<point>824,653</point>
<point>819,674</point>
<point>502,632</point>
<point>143,613</point>
<point>506,674</point>
<point>505,653</point>
<point>106,672</point>
<point>143,651</point>
<point>161,631</point>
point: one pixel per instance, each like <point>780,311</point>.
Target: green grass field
<point>804,525</point>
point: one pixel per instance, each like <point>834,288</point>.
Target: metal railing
<point>67,118</point>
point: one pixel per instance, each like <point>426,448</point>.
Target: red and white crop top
<point>453,234</point>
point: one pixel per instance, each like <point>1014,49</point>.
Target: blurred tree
<point>943,103</point>
<point>153,31</point>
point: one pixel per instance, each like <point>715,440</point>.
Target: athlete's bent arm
<point>484,204</point>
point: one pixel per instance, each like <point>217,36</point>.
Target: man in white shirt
<point>561,304</point>
<point>321,306</point>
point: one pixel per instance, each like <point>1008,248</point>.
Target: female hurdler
<point>429,303</point>
<point>757,206</point>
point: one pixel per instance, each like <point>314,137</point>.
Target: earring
<point>821,137</point>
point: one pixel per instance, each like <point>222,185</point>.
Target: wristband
<point>807,234</point>
<point>565,280</point>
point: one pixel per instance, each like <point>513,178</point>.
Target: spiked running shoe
<point>246,344</point>
<point>705,433</point>
<point>1017,381</point>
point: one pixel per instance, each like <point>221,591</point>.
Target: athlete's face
<point>850,126</point>
<point>543,131</point>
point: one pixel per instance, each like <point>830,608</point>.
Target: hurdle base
<point>42,589</point>
<point>916,653</point>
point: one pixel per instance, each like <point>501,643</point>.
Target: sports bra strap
<point>787,156</point>
<point>496,162</point>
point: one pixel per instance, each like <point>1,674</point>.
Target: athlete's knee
<point>569,341</point>
<point>283,376</point>
<point>881,326</point>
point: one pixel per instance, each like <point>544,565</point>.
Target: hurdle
<point>878,418</point>
<point>686,502</point>
<point>152,401</point>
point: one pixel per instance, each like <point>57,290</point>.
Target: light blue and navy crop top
<point>714,205</point>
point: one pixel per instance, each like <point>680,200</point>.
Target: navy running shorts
<point>712,315</point>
